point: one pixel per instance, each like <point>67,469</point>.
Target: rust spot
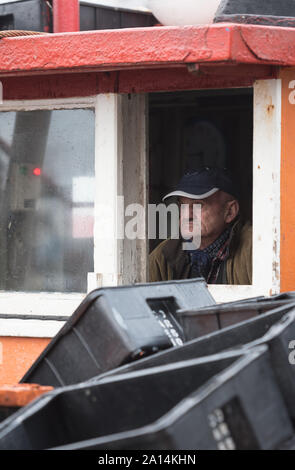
<point>270,108</point>
<point>275,268</point>
<point>275,264</point>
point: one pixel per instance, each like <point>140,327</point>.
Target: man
<point>225,252</point>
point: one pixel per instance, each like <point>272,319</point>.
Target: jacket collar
<point>179,260</point>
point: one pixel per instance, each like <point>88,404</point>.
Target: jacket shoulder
<point>157,263</point>
<point>165,260</point>
<point>246,233</point>
<point>239,266</point>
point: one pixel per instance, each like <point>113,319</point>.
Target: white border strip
<point>44,304</point>
<point>29,328</point>
<point>266,185</point>
<point>231,293</point>
<point>48,104</point>
<point>108,177</point>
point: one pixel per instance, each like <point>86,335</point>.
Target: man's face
<point>216,212</point>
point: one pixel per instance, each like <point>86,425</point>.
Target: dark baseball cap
<point>204,182</point>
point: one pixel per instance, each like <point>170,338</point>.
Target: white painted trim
<point>29,328</point>
<point>231,293</point>
<point>266,185</point>
<point>266,197</point>
<point>40,304</point>
<point>43,303</point>
<point>109,175</point>
<point>121,170</point>
<point>50,104</point>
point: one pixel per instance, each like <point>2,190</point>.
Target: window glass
<point>47,200</point>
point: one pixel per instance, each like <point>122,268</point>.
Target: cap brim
<point>191,196</point>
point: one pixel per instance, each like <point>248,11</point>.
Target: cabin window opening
<point>47,199</point>
<point>203,128</point>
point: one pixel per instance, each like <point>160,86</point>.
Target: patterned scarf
<point>207,262</point>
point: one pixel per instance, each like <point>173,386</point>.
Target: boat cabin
<point>93,123</point>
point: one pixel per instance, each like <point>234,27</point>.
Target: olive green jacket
<point>168,261</point>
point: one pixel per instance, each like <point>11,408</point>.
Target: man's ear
<point>231,211</point>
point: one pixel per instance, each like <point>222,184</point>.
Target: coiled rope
<point>15,33</point>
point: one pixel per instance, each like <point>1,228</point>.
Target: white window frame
<point>116,261</point>
<point>40,304</point>
<point>266,197</point>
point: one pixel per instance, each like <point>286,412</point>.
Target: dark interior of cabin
<point>191,129</point>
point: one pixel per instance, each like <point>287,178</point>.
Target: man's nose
<point>191,211</point>
<point>194,211</point>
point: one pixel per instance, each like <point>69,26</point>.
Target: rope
<point>15,33</point>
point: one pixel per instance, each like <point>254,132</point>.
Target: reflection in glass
<point>47,200</point>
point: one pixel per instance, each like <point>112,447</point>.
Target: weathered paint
<point>66,15</point>
<point>132,81</point>
<point>269,44</point>
<point>266,186</point>
<point>17,355</point>
<point>287,254</point>
<point>121,169</point>
<point>146,47</point>
<point>134,257</point>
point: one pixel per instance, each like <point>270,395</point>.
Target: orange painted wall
<point>17,355</point>
<point>287,254</point>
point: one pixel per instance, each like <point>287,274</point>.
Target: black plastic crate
<point>276,329</point>
<point>13,397</point>
<point>232,337</point>
<point>185,405</point>
<point>279,338</point>
<point>198,322</point>
<point>6,411</point>
<point>116,325</point>
<point>288,445</point>
<point>266,12</point>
